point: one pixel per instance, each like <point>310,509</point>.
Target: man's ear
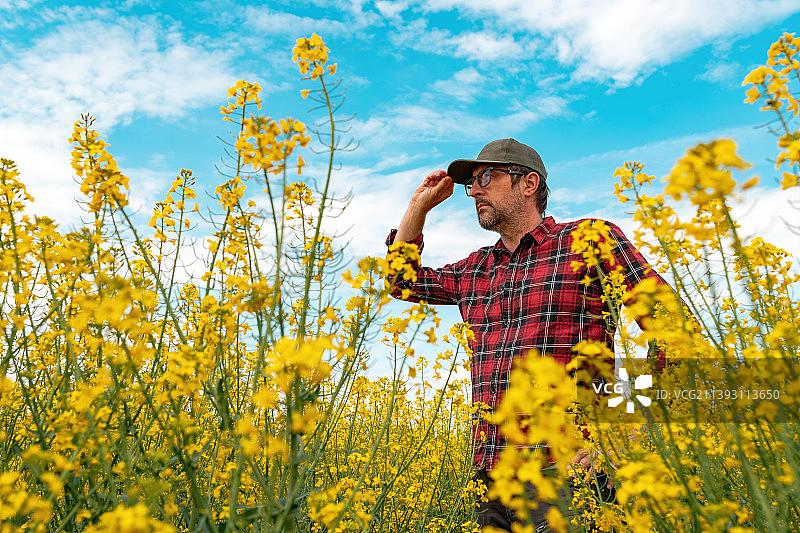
<point>530,184</point>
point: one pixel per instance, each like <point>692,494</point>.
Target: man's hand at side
<point>589,462</point>
<point>435,189</point>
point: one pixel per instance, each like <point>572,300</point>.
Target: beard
<point>498,216</point>
<point>490,218</point>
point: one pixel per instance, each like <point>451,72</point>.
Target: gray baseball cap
<point>502,151</point>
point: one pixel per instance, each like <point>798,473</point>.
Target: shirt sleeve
<point>635,270</point>
<point>433,285</point>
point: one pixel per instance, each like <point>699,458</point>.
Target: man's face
<point>499,203</point>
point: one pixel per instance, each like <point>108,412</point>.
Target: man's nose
<point>475,189</point>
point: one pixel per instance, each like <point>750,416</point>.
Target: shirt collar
<point>537,235</point>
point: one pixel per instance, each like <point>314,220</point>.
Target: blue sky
<point>588,84</point>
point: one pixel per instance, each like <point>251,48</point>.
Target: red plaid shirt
<point>516,302</point>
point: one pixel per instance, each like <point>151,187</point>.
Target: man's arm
<point>436,286</point>
<point>637,269</point>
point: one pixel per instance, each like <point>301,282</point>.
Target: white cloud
<point>622,40</point>
<point>766,212</point>
<point>464,85</point>
<point>398,160</point>
<point>356,14</point>
<point>270,21</point>
<point>14,14</point>
<point>390,9</point>
<point>486,46</point>
<point>361,17</point>
<point>113,71</point>
<point>357,81</point>
<point>18,4</point>
<point>723,72</point>
<point>481,46</point>
<point>417,36</point>
<point>423,123</point>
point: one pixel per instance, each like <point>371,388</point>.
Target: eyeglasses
<point>484,177</point>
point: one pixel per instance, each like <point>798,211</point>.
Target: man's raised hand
<point>435,189</point>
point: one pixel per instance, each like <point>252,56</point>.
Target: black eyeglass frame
<point>484,177</point>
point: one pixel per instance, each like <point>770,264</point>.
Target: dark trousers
<point>494,513</point>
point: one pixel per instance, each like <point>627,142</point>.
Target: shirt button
<point>493,388</point>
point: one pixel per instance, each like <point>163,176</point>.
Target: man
<point>518,295</point>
